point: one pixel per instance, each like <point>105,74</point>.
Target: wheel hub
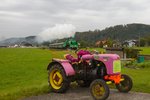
<point>56,79</point>
<point>99,90</point>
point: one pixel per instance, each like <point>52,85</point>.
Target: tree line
<point>118,33</point>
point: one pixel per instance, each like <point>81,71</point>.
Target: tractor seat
<point>71,58</point>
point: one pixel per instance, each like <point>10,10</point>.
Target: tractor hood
<point>102,57</point>
<point>111,61</point>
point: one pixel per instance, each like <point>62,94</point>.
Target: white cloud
<point>26,17</point>
<point>11,13</point>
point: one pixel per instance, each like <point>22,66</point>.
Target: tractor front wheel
<point>125,85</point>
<point>99,89</point>
<point>57,79</point>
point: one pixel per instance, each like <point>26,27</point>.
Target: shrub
<point>131,53</point>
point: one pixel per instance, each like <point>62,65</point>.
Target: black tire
<point>125,85</point>
<point>64,84</point>
<point>84,83</point>
<point>102,94</point>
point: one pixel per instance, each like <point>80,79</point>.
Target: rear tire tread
<point>103,83</point>
<point>65,83</point>
<point>130,84</point>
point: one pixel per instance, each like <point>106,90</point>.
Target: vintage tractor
<point>88,69</point>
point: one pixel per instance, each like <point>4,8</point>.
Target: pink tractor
<point>88,69</point>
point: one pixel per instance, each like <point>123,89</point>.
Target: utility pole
<point>139,39</point>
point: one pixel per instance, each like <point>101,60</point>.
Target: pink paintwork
<point>107,59</point>
<point>79,56</point>
<point>71,58</point>
<point>87,57</point>
<point>67,66</point>
<point>68,69</point>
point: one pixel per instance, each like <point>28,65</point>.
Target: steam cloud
<point>59,31</point>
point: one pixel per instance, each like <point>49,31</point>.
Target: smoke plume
<point>59,31</point>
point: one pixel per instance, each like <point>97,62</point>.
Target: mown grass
<point>101,50</point>
<point>140,77</point>
<point>23,72</point>
<point>145,50</point>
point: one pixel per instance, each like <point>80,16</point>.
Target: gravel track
<point>79,93</point>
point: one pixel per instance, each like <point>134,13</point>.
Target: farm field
<point>23,72</point>
<point>145,50</point>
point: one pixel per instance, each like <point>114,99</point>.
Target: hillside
<point>12,41</point>
<point>118,32</point>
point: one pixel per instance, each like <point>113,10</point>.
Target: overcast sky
<point>20,18</point>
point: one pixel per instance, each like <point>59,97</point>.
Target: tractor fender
<point>66,66</point>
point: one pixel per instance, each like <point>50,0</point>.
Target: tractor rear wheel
<point>125,85</point>
<point>99,89</point>
<point>57,79</point>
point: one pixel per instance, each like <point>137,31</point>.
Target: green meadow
<point>23,72</point>
<point>145,50</point>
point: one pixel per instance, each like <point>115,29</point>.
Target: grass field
<point>145,50</point>
<point>23,72</point>
<point>140,77</point>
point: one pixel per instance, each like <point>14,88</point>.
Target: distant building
<point>129,43</point>
<point>3,46</point>
<point>14,46</point>
<point>102,43</point>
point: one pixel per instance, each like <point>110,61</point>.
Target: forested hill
<point>89,38</point>
<point>118,32</point>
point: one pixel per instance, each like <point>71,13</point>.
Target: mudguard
<point>65,64</point>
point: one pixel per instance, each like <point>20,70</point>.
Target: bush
<point>143,65</point>
<point>132,53</point>
<point>134,64</point>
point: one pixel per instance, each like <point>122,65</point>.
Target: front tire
<point>57,79</point>
<point>99,90</point>
<point>125,85</point>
